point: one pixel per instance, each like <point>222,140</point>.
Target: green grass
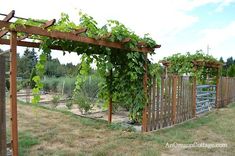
<point>26,141</point>
<point>56,132</point>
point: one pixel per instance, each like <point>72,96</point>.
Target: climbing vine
<point>122,70</point>
<point>184,64</point>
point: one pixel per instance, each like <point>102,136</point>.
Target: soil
<point>120,116</point>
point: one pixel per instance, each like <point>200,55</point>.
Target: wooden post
<point>110,110</point>
<point>174,90</point>
<point>194,95</point>
<point>13,93</point>
<point>145,81</point>
<point>3,146</point>
<point>217,99</point>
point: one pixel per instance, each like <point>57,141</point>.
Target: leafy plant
<point>84,103</point>
<point>55,100</point>
<point>125,82</point>
<point>69,103</point>
<point>184,64</point>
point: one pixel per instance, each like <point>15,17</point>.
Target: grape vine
<point>126,66</point>
<point>183,64</point>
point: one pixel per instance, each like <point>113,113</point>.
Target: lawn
<point>50,132</point>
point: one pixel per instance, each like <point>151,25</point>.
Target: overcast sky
<point>178,25</point>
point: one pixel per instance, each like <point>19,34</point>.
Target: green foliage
<point>26,141</point>
<point>228,68</point>
<point>231,71</point>
<point>183,64</point>
<point>33,73</point>
<point>26,63</point>
<point>69,103</point>
<point>55,100</point>
<point>84,103</point>
<point>125,84</point>
<point>63,85</point>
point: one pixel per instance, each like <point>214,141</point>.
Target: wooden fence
<point>174,99</point>
<point>170,101</point>
<point>225,91</point>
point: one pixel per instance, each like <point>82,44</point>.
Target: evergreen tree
<point>26,63</point>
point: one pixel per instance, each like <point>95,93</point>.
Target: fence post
<point>174,90</point>
<point>218,88</point>
<point>194,95</point>
<point>2,107</point>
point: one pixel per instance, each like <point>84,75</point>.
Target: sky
<point>179,26</point>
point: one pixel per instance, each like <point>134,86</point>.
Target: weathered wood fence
<point>170,101</point>
<point>225,91</point>
<point>174,99</point>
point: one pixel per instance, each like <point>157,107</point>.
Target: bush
<point>88,93</point>
<point>55,100</point>
<point>84,103</point>
<point>66,86</point>
<point>91,86</point>
<point>60,85</point>
<point>69,104</point>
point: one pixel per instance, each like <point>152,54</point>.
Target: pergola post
<point>110,109</point>
<point>145,81</point>
<point>13,93</point>
<point>2,107</point>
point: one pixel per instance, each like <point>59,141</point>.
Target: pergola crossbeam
<point>3,33</point>
<point>9,16</point>
<point>69,36</point>
<point>126,40</point>
<point>44,26</point>
<point>48,24</point>
<point>79,31</point>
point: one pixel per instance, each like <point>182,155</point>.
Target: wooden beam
<point>79,31</point>
<point>9,16</point>
<point>13,93</point>
<point>28,44</point>
<point>3,33</point>
<point>141,44</point>
<point>145,81</point>
<point>194,96</point>
<point>48,24</point>
<point>3,143</point>
<point>110,110</point>
<point>22,37</point>
<point>157,46</point>
<point>70,36</point>
<point>44,26</point>
<point>126,40</point>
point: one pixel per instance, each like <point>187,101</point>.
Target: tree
<point>26,63</point>
<point>231,71</point>
<point>221,59</point>
<point>54,68</point>
<point>229,62</point>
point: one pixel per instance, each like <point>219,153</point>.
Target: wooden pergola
<point>15,40</point>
